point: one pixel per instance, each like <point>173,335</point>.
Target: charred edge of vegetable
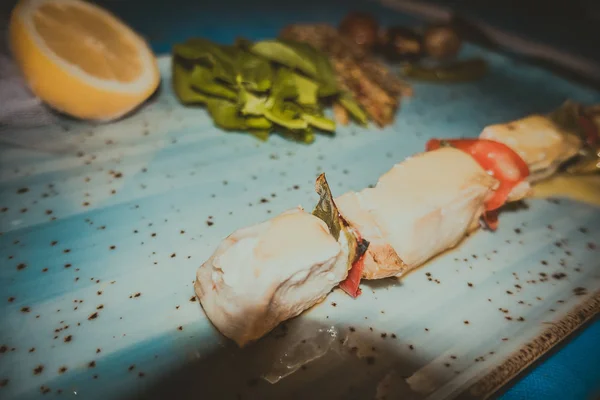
<point>490,220</point>
<point>327,211</point>
<point>357,245</point>
<point>361,248</point>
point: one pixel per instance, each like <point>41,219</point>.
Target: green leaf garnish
<point>272,85</point>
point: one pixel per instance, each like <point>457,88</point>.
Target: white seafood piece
<point>380,260</point>
<point>418,209</point>
<point>264,274</point>
<point>538,141</point>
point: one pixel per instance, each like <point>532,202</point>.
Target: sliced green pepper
<point>183,88</point>
<point>225,114</point>
<point>219,58</point>
<point>460,71</point>
<point>284,117</point>
<point>260,134</point>
<point>260,123</point>
<point>284,86</point>
<point>307,89</point>
<point>291,55</point>
<point>353,108</point>
<point>202,80</point>
<point>253,72</point>
<point>252,104</point>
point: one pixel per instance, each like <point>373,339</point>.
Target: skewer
<point>267,273</point>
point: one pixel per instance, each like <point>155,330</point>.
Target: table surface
<point>570,372</point>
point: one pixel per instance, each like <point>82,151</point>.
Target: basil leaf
<point>326,76</point>
<point>319,122</point>
<point>284,85</point>
<point>284,116</point>
<point>202,79</point>
<point>307,89</point>
<point>182,87</point>
<point>219,58</point>
<point>276,110</point>
<point>327,211</point>
<point>258,123</point>
<point>260,134</point>
<point>314,116</point>
<point>225,114</point>
<point>353,108</point>
<point>253,72</point>
<point>286,54</point>
<point>305,136</point>
<point>252,104</point>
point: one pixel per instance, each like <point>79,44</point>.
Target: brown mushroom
<point>362,28</point>
<point>400,43</point>
<point>442,42</point>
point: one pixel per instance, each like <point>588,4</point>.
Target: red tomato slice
<point>350,284</point>
<point>590,129</point>
<point>499,160</point>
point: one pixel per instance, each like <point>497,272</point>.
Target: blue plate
<point>101,240</point>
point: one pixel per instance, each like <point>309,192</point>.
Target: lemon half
<point>80,59</point>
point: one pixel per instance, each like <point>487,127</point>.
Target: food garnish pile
<point>282,85</point>
<point>426,53</point>
<point>262,86</point>
<point>285,84</point>
<point>376,88</point>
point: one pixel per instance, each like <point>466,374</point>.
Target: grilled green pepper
<point>459,71</point>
